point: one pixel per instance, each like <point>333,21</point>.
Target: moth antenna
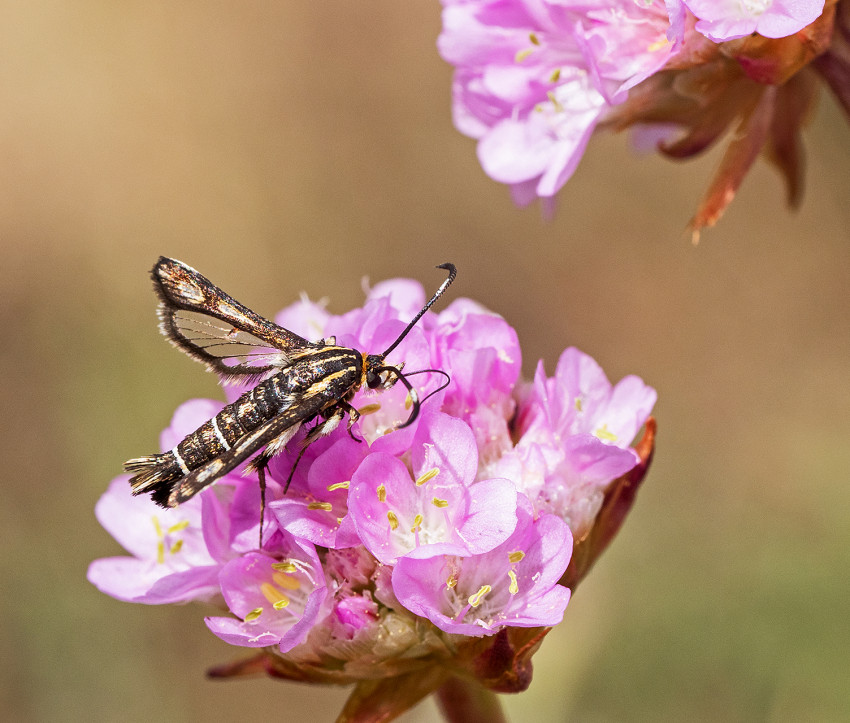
<point>445,285</point>
<point>438,389</point>
<point>414,396</point>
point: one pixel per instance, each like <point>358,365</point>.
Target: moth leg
<point>353,416</point>
<point>261,463</point>
<point>337,414</point>
<point>319,430</point>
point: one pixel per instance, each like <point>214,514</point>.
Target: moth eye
<point>373,380</point>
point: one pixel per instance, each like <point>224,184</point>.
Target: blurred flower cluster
<point>535,78</point>
<point>436,552</point>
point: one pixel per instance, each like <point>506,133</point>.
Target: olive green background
<point>299,146</point>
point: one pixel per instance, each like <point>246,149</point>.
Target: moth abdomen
<point>156,474</point>
<point>159,473</point>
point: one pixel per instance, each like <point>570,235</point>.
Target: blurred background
<point>294,146</point>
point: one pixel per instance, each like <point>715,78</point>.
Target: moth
<point>297,381</point>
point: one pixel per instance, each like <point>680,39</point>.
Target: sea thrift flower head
<point>534,80</point>
<point>417,558</point>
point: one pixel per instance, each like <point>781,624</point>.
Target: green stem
<point>465,701</point>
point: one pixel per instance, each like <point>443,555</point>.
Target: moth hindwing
<point>296,382</point>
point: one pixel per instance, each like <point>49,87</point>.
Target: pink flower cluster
<point>465,519</point>
<point>534,77</point>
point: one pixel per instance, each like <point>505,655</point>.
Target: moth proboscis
<point>297,381</point>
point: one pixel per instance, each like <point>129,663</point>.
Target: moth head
<point>379,376</point>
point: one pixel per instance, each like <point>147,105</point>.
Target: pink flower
<point>438,507</point>
<point>404,551</point>
<point>534,79</point>
<point>514,584</point>
<point>722,20</point>
<point>276,597</point>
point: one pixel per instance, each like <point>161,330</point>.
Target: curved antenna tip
<point>445,285</point>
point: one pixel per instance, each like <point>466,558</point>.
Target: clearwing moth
<point>297,381</point>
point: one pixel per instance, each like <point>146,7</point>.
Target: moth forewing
<point>239,355</point>
<point>212,327</point>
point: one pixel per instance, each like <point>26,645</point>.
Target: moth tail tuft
<point>155,474</point>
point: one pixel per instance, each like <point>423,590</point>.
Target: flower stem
<point>465,701</point>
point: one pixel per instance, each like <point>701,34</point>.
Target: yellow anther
<point>382,493</point>
<point>157,527</point>
<point>178,527</point>
<point>605,434</point>
<point>578,404</point>
<point>327,506</point>
<point>437,502</point>
<point>391,516</point>
<point>475,600</point>
<point>367,409</point>
<point>514,587</point>
<point>534,39</point>
<point>160,552</point>
<point>280,604</point>
<point>408,401</point>
<point>417,523</point>
<point>556,76</point>
<point>516,557</point>
<point>287,582</point>
<point>271,593</point>
<point>285,567</point>
<point>253,615</point>
<point>555,102</point>
<point>451,581</point>
<point>659,44</point>
<point>339,486</point>
<point>175,548</point>
<point>427,476</point>
<point>522,54</point>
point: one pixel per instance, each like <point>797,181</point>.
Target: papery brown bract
<point>759,91</point>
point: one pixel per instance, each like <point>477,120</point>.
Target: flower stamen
<point>274,596</point>
<point>427,476</point>
<point>326,506</point>
<point>287,582</point>
<point>476,599</point>
<point>253,615</point>
<point>393,518</point>
<point>604,434</point>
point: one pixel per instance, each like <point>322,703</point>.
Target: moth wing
<point>212,327</point>
<point>285,423</point>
